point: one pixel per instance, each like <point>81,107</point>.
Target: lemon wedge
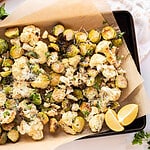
<point>112,122</point>
<point>127,114</point>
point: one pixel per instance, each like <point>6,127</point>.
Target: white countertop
<point>117,142</point>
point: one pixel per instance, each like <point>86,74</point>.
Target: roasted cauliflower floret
<point>20,69</point>
<point>96,122</point>
<point>109,71</point>
<point>7,116</point>
<point>52,58</point>
<point>33,128</point>
<point>97,59</point>
<point>68,117</point>
<point>42,81</point>
<point>111,94</point>
<point>90,93</point>
<point>40,49</point>
<point>58,95</point>
<point>30,34</point>
<point>21,90</point>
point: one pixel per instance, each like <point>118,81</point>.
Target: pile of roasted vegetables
<point>62,78</point>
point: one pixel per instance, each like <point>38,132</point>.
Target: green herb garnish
<point>3,13</point>
<point>141,137</point>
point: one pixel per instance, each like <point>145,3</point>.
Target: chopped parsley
<point>3,13</point>
<point>142,137</point>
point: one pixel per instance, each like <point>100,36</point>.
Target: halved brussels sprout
<point>3,138</point>
<point>113,104</point>
<point>72,51</point>
<point>78,93</point>
<point>80,37</point>
<point>53,127</point>
<point>54,47</point>
<point>5,73</point>
<point>108,33</point>
<point>13,135</point>
<point>16,51</point>
<point>117,42</point>
<point>10,104</point>
<point>121,82</point>
<point>58,29</point>
<point>43,117</point>
<point>12,32</point>
<point>85,108</point>
<point>54,79</point>
<point>7,62</point>
<point>58,67</point>
<point>9,126</point>
<point>35,68</point>
<point>36,98</point>
<point>52,38</point>
<point>3,46</point>
<point>32,54</point>
<point>68,34</point>
<point>42,82</point>
<point>66,105</point>
<point>78,124</point>
<point>94,36</point>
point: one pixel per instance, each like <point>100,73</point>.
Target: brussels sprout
<point>42,82</point>
<point>117,42</point>
<point>53,127</point>
<point>78,124</point>
<point>68,34</point>
<point>52,38</point>
<point>13,135</point>
<point>58,67</point>
<point>113,104</point>
<point>7,63</point>
<point>10,104</point>
<point>78,94</point>
<point>8,127</point>
<point>54,47</point>
<point>43,117</point>
<point>12,32</point>
<point>36,98</point>
<point>35,68</point>
<point>72,51</point>
<point>87,49</point>
<point>5,73</point>
<point>54,79</point>
<point>80,37</point>
<point>90,47</point>
<point>3,138</point>
<point>58,29</point>
<point>3,46</point>
<point>121,81</point>
<point>85,108</point>
<point>108,33</point>
<point>32,54</point>
<point>66,105</point>
<point>94,36</point>
<point>16,51</point>
<point>83,48</point>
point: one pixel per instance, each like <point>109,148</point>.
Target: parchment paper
<point>75,14</point>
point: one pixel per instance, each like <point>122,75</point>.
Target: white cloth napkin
<point>140,10</point>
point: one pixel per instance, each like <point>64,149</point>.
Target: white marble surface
<point>140,9</point>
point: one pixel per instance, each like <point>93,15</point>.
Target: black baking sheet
<point>125,22</point>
